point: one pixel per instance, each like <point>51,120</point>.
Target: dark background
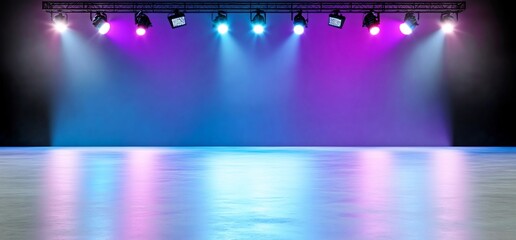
<point>477,118</point>
<point>25,101</point>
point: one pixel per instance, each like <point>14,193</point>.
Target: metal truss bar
<point>246,7</point>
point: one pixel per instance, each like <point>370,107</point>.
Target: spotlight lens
<point>178,21</point>
<point>60,22</point>
<point>61,26</point>
<point>141,31</point>
<point>222,28</point>
<point>258,29</point>
<point>335,22</point>
<point>104,28</point>
<point>374,30</point>
<point>448,27</point>
<point>405,29</point>
<point>299,29</point>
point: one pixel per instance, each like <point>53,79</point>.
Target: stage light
<point>372,22</point>
<point>409,24</point>
<point>100,22</point>
<point>142,22</point>
<point>336,19</point>
<point>300,23</point>
<point>258,22</point>
<point>60,22</point>
<point>221,22</point>
<point>177,19</point>
<point>447,23</point>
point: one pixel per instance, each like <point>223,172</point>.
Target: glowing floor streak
<point>414,209</point>
<point>262,196</point>
<point>100,212</point>
<point>451,209</point>
<point>139,191</point>
<point>60,202</point>
<point>375,196</point>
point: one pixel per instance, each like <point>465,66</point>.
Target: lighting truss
<point>246,7</point>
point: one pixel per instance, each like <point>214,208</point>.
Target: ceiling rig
<point>176,10</point>
<point>246,7</point>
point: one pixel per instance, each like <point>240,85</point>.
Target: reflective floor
<point>258,193</point>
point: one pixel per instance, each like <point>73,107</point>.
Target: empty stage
<point>257,193</point>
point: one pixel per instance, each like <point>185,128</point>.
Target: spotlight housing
<point>409,24</point>
<point>258,22</point>
<point>336,19</point>
<point>142,22</point>
<point>300,23</point>
<point>100,22</point>
<point>372,22</point>
<point>447,22</point>
<point>221,22</point>
<point>177,19</point>
<point>60,22</point>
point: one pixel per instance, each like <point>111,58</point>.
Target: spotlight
<point>258,22</point>
<point>60,22</point>
<point>100,22</point>
<point>221,22</point>
<point>447,22</point>
<point>336,19</point>
<point>372,22</point>
<point>409,24</point>
<point>142,22</point>
<point>177,19</point>
<point>300,23</point>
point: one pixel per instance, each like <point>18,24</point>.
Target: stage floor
<point>258,193</point>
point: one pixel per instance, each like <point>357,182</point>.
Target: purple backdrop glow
<point>191,86</point>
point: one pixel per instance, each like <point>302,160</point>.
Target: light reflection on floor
<point>258,193</point>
